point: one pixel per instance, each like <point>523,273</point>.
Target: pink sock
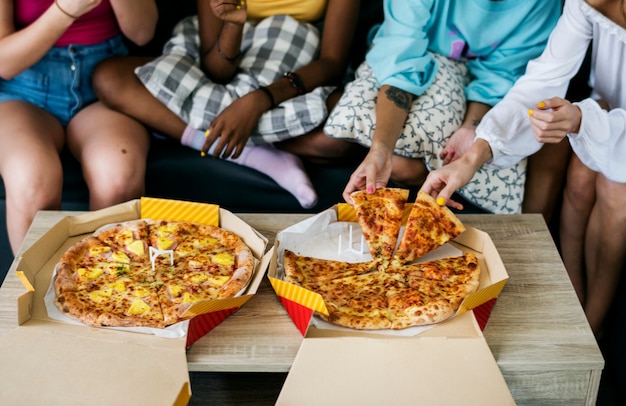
<point>285,168</point>
<point>193,138</point>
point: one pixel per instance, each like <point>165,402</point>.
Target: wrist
<point>478,154</point>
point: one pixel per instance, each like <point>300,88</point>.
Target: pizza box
<point>75,364</point>
<point>447,363</point>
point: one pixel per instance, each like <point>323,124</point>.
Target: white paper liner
<point>177,330</point>
<point>320,237</point>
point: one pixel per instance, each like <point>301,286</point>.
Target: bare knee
<point>408,172</point>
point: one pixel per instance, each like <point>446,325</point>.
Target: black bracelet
<point>269,96</point>
<point>296,82</point>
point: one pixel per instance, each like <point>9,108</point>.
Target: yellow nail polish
<point>202,153</point>
<point>206,133</point>
<point>530,112</point>
<point>441,201</point>
<point>541,105</point>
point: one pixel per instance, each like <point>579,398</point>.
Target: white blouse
<point>601,142</point>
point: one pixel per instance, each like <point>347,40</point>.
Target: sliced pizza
<point>380,217</point>
<point>308,271</point>
<point>428,227</point>
<point>108,280</point>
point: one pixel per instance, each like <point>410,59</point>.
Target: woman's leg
<point>544,179</point>
<point>113,150</point>
<point>30,142</point>
<point>605,250</point>
<point>318,147</point>
<point>578,199</point>
<point>117,86</point>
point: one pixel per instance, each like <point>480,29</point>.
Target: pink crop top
<point>91,28</point>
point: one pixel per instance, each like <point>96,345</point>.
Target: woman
<point>238,77</point>
<point>433,71</point>
<point>593,213</point>
<point>48,50</point>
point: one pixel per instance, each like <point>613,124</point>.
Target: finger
<point>370,179</point>
<point>207,143</point>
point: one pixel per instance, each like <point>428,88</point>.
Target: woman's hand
<point>373,173</point>
<point>231,11</point>
<point>553,119</point>
<point>231,129</point>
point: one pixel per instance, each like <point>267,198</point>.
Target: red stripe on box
<point>300,315</point>
<point>202,324</point>
<point>483,312</point>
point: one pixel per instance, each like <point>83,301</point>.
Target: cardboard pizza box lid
<point>378,371</point>
<point>133,366</point>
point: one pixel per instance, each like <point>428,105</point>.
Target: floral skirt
<point>432,119</point>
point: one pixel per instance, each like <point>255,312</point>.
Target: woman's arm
<point>392,109</point>
<point>137,19</point>
<point>221,30</point>
<point>21,49</point>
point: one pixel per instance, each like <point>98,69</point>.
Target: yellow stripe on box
<point>215,305</point>
<point>482,296</point>
<point>29,287</point>
<point>165,209</point>
<point>299,295</point>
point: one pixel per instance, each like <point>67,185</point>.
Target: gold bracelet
<point>73,17</point>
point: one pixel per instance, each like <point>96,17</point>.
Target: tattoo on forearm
<point>399,97</point>
<point>475,122</point>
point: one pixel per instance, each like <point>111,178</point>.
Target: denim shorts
<point>60,82</point>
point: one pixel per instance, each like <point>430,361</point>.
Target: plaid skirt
<point>269,48</point>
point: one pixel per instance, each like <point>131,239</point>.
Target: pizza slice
<point>119,304</point>
<point>380,217</point>
<point>428,227</point>
<point>131,237</point>
<point>92,263</point>
<point>431,292</point>
<point>358,302</point>
<point>308,271</point>
<point>167,234</point>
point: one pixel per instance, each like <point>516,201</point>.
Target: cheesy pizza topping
<point>109,280</point>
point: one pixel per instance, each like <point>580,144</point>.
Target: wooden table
<point>537,331</point>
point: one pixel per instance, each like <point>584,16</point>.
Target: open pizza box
<point>447,363</point>
<point>77,364</point>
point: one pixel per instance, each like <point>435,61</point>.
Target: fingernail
<point>541,105</point>
<point>202,153</point>
<point>206,133</point>
<point>441,201</point>
<point>370,189</point>
<point>530,112</point>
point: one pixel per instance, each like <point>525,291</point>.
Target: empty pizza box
<point>72,364</point>
<point>448,363</point>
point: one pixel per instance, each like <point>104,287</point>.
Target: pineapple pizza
<point>148,273</point>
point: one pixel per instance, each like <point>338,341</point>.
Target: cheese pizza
<point>361,297</point>
<point>148,273</point>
